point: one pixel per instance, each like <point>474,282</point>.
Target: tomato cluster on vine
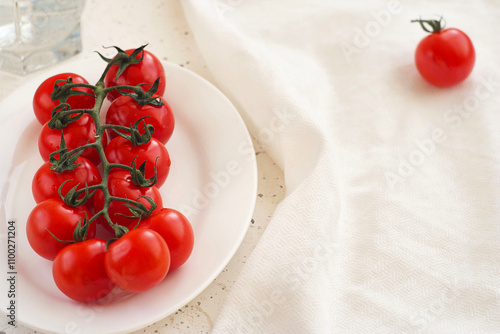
<point>99,215</point>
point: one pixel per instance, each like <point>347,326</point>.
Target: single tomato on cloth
<point>446,57</point>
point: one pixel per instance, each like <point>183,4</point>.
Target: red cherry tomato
<point>126,111</point>
<point>46,182</point>
<point>76,134</point>
<point>78,271</point>
<point>121,151</point>
<point>137,261</point>
<point>61,220</point>
<point>177,232</point>
<point>43,105</point>
<point>445,57</point>
<point>120,184</point>
<point>147,71</point>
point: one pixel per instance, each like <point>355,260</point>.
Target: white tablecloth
<point>391,222</point>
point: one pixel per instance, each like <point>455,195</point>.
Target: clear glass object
<point>38,33</point>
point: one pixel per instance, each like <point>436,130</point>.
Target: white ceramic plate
<point>213,181</point>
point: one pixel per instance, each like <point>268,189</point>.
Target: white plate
<point>213,180</point>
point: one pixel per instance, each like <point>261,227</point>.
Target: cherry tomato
<point>445,57</point>
<point>120,184</point>
<point>43,105</point>
<point>76,134</point>
<point>126,111</point>
<point>121,151</point>
<point>78,271</point>
<point>46,182</point>
<point>177,232</point>
<point>147,71</point>
<point>137,261</point>
<point>61,220</point>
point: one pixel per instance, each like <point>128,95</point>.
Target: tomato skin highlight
<point>177,232</point>
<point>43,104</point>
<point>46,182</point>
<point>120,184</point>
<point>147,71</point>
<point>137,261</point>
<point>126,111</point>
<point>445,58</point>
<point>79,273</point>
<point>76,134</point>
<point>61,220</point>
<point>122,151</point>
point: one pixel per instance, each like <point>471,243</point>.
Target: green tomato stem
<point>431,26</point>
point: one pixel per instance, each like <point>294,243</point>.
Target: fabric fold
<point>390,220</point>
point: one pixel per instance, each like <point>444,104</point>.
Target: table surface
<point>162,24</point>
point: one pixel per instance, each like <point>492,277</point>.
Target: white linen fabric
<point>391,220</point>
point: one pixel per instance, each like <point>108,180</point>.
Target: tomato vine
<point>64,159</point>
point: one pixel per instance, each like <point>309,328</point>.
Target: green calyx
<point>73,196</point>
<point>62,116</point>
<point>139,210</point>
<point>79,234</point>
<point>138,175</point>
<point>63,89</point>
<point>431,26</point>
<point>145,97</point>
<point>65,161</point>
<point>124,60</point>
<point>135,136</point>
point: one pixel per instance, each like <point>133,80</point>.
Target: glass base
<point>28,61</point>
